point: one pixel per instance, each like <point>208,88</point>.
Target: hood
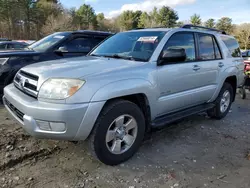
<point>78,67</point>
<point>11,53</point>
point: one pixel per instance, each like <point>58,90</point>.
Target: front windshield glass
<point>45,43</point>
<point>135,45</point>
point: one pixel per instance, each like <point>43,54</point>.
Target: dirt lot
<point>197,152</point>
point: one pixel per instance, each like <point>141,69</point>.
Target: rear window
<point>232,45</point>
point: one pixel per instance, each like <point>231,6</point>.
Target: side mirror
<point>173,55</point>
<point>61,49</point>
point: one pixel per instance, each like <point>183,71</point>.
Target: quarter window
<point>232,45</point>
<point>182,41</point>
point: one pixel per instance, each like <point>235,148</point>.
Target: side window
<point>206,45</point>
<point>82,44</point>
<point>96,41</point>
<point>184,41</point>
<point>2,46</point>
<point>232,45</point>
<point>217,50</point>
<point>18,46</point>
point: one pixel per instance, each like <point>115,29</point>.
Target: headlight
<point>59,88</point>
<point>3,60</point>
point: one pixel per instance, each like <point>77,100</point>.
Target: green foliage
<point>210,23</point>
<point>87,17</point>
<point>166,17</point>
<point>144,20</point>
<point>129,20</point>
<point>195,19</point>
<point>33,19</point>
<point>225,24</point>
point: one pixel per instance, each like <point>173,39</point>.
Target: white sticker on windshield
<point>58,37</point>
<point>147,39</point>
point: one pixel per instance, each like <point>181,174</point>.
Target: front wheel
<point>118,132</point>
<point>222,103</point>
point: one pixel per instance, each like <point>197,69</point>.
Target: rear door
<point>210,62</point>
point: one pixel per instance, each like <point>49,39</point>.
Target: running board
<point>172,117</point>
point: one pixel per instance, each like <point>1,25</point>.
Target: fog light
<point>57,127</point>
<point>43,125</point>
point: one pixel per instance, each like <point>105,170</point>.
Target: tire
<point>109,120</point>
<point>217,112</point>
<point>242,92</point>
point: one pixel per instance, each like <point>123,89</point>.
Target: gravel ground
<point>196,152</point>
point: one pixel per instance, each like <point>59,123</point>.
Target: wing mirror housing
<point>172,55</point>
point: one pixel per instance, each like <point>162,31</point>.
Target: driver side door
<point>180,82</point>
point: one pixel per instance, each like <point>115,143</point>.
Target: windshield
<point>45,43</point>
<point>138,45</point>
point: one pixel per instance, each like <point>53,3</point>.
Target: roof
<point>188,27</point>
<point>11,42</point>
<point>90,32</point>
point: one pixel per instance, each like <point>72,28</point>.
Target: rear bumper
<point>79,119</point>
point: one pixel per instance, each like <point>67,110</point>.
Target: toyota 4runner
<point>130,83</point>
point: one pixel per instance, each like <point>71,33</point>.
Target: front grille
<point>27,83</point>
<point>17,112</point>
<point>28,75</point>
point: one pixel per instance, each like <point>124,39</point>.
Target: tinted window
<point>80,45</point>
<point>232,46</point>
<point>47,42</point>
<point>2,46</point>
<point>133,45</point>
<point>182,41</point>
<point>16,46</point>
<point>206,47</point>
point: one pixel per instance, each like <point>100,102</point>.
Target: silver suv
<point>132,82</point>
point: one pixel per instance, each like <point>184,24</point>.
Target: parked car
<point>53,47</point>
<point>132,82</point>
<point>12,45</point>
<point>246,55</point>
<point>5,39</point>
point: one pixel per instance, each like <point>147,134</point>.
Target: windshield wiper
<point>116,56</point>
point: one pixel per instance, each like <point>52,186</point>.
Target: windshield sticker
<point>58,37</point>
<point>147,39</point>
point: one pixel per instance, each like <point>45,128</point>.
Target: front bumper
<point>79,119</point>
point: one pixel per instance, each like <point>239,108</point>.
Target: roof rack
<point>190,26</point>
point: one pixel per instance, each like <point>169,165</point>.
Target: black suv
<point>56,46</point>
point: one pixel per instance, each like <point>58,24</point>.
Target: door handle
<point>221,64</point>
<point>196,67</point>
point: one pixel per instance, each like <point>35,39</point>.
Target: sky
<point>238,10</point>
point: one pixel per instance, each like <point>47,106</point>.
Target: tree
<point>87,17</point>
<point>144,20</point>
<point>210,23</point>
<point>153,17</point>
<point>57,23</point>
<point>179,24</point>
<point>167,17</point>
<point>225,24</point>
<point>129,20</point>
<point>243,35</point>
<point>195,19</point>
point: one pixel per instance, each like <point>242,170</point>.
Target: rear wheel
<point>222,103</point>
<point>118,132</point>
